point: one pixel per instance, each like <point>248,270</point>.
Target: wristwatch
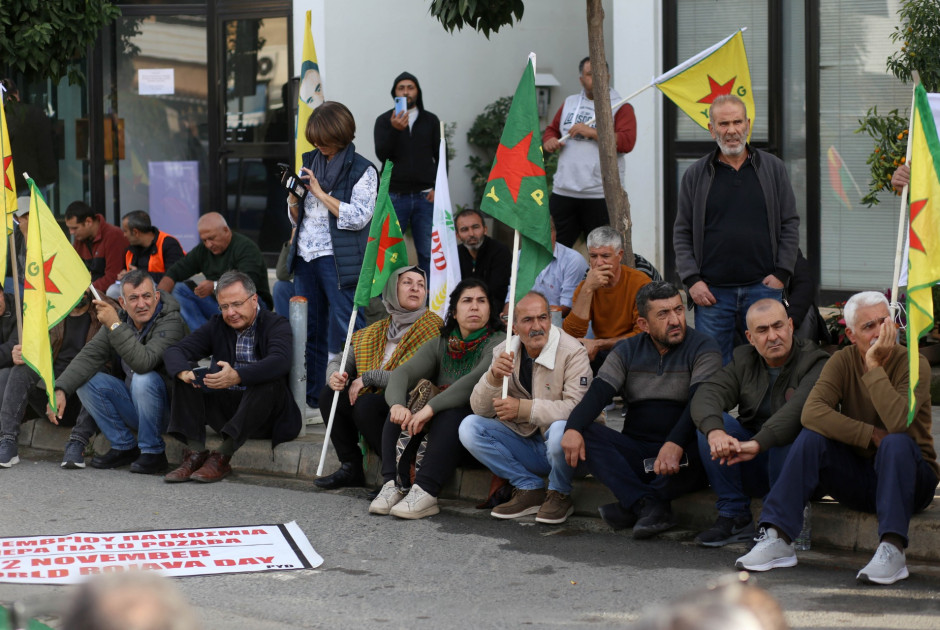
<point>115,325</point>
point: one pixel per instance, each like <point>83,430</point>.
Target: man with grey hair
<point>606,298</point>
<point>737,229</point>
<point>134,396</point>
<point>860,445</point>
<point>245,392</point>
<point>519,437</point>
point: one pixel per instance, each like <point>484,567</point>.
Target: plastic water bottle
<point>802,542</point>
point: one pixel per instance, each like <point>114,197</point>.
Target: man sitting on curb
<point>244,395</point>
<point>768,381</point>
<point>138,336</point>
<point>656,373</point>
<point>519,437</point>
<point>857,447</point>
<point>606,298</point>
<point>23,388</point>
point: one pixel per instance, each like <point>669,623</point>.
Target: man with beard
<point>654,458</point>
<point>411,140</point>
<point>768,381</point>
<point>737,230</point>
<point>519,437</point>
<point>482,257</point>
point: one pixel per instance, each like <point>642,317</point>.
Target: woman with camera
<point>332,228</point>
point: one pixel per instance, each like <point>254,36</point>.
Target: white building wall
<point>362,45</point>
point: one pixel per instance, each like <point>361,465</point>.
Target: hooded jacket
<point>413,151</point>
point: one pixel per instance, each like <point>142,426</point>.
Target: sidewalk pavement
<point>833,526</point>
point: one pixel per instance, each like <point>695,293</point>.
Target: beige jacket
<point>561,375</point>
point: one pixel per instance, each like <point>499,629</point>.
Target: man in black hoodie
<point>411,140</point>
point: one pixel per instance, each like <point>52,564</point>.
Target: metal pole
<point>298,364</point>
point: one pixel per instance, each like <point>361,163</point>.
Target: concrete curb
<point>833,526</point>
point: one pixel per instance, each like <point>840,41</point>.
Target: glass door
<point>257,125</point>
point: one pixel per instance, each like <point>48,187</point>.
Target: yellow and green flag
<point>721,69</point>
<point>924,253</point>
<point>385,251</point>
<point>309,96</point>
<point>8,207</point>
<point>516,191</point>
<point>56,279</point>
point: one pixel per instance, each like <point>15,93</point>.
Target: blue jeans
<point>521,460</point>
<point>894,484</point>
<point>116,409</point>
<point>735,485</point>
<point>282,292</point>
<point>195,310</point>
<point>328,311</point>
<point>723,319</point>
<point>415,209</point>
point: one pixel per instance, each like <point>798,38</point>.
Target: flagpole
<point>342,366</point>
<point>613,108</point>
<point>902,219</point>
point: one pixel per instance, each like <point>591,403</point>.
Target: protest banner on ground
<point>72,558</point>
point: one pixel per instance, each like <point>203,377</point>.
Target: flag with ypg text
<point>56,279</point>
<point>516,191</point>
<point>924,252</point>
<point>721,69</point>
<point>385,251</point>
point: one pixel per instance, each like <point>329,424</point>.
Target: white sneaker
<point>388,496</point>
<point>887,566</point>
<point>417,504</point>
<point>770,552</point>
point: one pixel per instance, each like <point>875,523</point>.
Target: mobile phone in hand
<point>401,105</point>
<point>650,463</point>
<point>200,374</point>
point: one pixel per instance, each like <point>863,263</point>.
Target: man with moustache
<point>138,335</point>
<point>519,437</point>
<point>656,372</point>
<point>244,395</point>
<point>768,381</point>
<point>737,229</point>
<point>482,257</point>
<point>606,299</point>
<point>863,443</point>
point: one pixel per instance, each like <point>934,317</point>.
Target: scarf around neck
<point>462,354</point>
<point>328,172</point>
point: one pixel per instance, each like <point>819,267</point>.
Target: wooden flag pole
<point>902,220</point>
<point>342,366</point>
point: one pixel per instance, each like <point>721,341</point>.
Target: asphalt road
<point>460,569</point>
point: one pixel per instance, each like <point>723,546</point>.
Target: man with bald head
<point>218,251</point>
<point>768,381</point>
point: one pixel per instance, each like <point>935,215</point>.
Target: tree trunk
<point>618,205</point>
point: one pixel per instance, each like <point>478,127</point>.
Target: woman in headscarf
<point>332,229</point>
<point>376,351</point>
<point>453,363</point>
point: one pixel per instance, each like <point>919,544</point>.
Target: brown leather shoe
<point>192,461</point>
<point>215,469</point>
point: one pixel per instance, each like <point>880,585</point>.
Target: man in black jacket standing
<point>411,140</point>
<point>244,395</point>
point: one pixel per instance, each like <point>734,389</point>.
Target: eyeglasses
<point>235,305</point>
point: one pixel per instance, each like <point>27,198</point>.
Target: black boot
<point>349,475</point>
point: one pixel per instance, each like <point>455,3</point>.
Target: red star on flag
<point>47,269</point>
<point>916,207</point>
<point>386,241</point>
<point>717,89</point>
<point>513,164</point>
<point>7,161</point>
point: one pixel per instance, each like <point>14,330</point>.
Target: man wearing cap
<point>411,140</point>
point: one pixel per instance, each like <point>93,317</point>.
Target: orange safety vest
<point>155,264</point>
